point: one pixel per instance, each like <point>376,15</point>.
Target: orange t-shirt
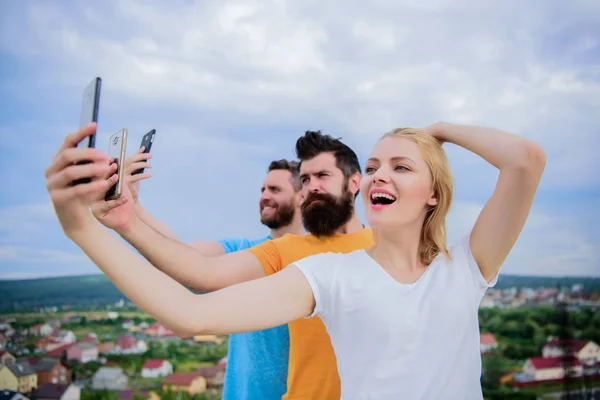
<point>312,371</point>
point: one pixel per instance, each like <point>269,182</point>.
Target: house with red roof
<point>156,369</point>
<point>190,382</point>
<point>90,338</point>
<point>106,348</point>
<point>586,351</point>
<point>59,351</point>
<point>48,343</point>
<point>128,344</point>
<point>83,352</point>
<point>41,330</point>
<point>550,368</point>
<point>214,375</point>
<point>157,329</point>
<point>487,342</point>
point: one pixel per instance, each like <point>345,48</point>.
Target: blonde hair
<point>433,233</point>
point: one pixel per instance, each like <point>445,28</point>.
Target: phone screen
<point>116,152</point>
<point>89,110</point>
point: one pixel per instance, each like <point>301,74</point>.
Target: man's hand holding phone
<point>72,163</point>
<point>117,214</point>
<point>138,161</point>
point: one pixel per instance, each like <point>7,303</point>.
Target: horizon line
<point>19,279</point>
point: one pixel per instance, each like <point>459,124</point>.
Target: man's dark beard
<point>283,216</point>
<point>326,216</point>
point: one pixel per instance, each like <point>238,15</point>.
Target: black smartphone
<point>147,141</point>
<point>117,146</point>
<point>90,105</point>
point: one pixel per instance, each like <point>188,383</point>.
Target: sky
<point>230,86</point>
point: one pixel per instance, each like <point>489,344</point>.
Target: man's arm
<point>187,265</point>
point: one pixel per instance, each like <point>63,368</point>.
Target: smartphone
<point>117,146</point>
<point>147,141</point>
<point>90,105</point>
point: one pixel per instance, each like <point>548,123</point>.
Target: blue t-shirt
<point>257,362</point>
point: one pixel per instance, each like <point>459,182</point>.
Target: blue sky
<point>229,86</point>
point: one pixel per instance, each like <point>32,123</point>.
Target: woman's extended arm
<point>248,306</point>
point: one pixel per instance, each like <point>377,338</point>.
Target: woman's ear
<point>433,201</point>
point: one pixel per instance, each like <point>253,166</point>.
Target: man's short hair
<point>314,143</point>
<point>292,166</point>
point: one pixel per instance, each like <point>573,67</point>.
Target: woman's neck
<point>398,249</point>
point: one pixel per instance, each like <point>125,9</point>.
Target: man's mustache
<point>267,203</point>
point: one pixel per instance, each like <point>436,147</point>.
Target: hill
<point>89,290</point>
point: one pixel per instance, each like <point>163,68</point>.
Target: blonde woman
<point>402,315</point>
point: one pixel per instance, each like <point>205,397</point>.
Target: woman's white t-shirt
<point>401,341</point>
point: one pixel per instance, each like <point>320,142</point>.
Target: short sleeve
<point>233,244</point>
<point>268,255</point>
<point>461,253</point>
<point>319,270</point>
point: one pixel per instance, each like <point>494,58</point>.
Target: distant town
<point>115,351</point>
<point>117,354</point>
<point>513,297</point>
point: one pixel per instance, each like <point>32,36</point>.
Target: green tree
<point>596,320</point>
<point>551,329</point>
<point>494,367</point>
<point>495,324</point>
<point>98,395</point>
<point>172,350</point>
<point>513,329</point>
<point>505,393</point>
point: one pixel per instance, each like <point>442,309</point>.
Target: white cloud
<point>369,69</point>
